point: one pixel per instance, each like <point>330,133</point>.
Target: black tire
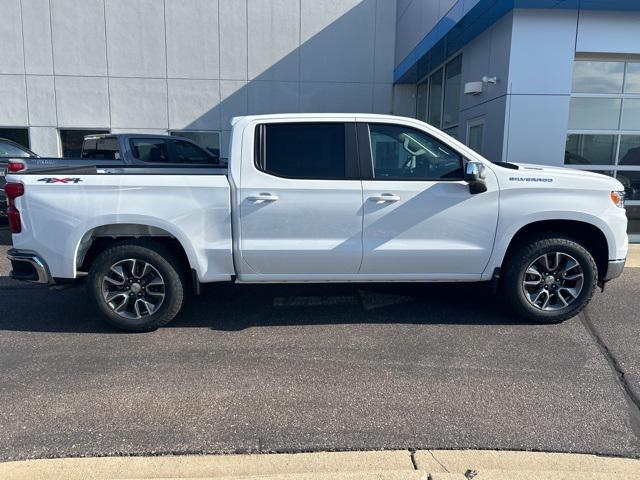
<point>162,261</point>
<point>522,257</point>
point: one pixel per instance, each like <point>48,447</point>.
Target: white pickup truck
<point>321,198</point>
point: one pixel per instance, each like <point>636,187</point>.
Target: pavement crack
<point>438,462</point>
<point>413,458</point>
<point>630,396</point>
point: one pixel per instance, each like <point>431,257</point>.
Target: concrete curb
<point>386,465</point>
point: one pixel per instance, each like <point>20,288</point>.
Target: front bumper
<point>28,267</point>
<point>614,269</point>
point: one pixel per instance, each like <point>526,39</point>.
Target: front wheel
<point>550,279</point>
<point>136,286</point>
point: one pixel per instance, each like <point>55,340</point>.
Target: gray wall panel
<point>192,39</point>
<point>78,32</point>
<point>36,25</point>
<point>11,56</point>
<point>135,38</point>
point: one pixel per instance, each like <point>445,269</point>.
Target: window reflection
<point>585,149</point>
<point>597,77</point>
<point>632,78</point>
<point>629,150</point>
<point>594,113</point>
<point>630,114</point>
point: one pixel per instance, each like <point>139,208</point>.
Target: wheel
<point>136,285</point>
<point>550,279</point>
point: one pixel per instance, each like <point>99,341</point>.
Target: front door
<point>420,219</point>
<point>300,201</point>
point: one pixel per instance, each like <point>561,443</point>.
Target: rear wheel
<point>550,279</point>
<point>136,286</point>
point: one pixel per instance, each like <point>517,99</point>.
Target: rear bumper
<point>614,269</point>
<point>28,267</point>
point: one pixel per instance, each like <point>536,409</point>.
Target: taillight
<point>15,166</point>
<point>13,190</point>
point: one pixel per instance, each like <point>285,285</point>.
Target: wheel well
<point>99,239</point>
<point>586,234</point>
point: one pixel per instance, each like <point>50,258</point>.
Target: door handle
<point>385,197</point>
<point>263,197</point>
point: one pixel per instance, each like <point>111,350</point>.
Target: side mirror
<point>474,175</point>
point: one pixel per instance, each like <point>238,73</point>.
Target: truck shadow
<point>229,308</point>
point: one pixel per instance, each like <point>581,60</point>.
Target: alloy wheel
<point>133,288</point>
<point>553,281</point>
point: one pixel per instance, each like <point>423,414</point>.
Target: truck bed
<point>63,209</point>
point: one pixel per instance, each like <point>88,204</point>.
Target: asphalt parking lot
<point>313,367</point>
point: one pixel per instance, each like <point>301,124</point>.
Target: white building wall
<point>155,65</point>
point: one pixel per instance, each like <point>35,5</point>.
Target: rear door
<point>300,201</point>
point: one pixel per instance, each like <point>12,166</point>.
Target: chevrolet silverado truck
<point>321,198</point>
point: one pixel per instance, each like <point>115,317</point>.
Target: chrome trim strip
<point>614,269</point>
<point>35,261</point>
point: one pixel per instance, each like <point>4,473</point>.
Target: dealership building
<point>553,82</point>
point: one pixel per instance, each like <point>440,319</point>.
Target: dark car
<point>9,149</point>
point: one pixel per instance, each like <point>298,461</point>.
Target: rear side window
<point>185,152</point>
<point>150,149</point>
<point>101,149</point>
<point>302,150</point>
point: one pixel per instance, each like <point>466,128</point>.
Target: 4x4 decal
<point>59,180</point>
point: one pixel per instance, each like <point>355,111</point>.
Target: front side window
<point>402,153</point>
<point>185,152</point>
<point>303,150</point>
<point>150,149</point>
<point>210,141</point>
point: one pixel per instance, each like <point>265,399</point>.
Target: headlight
<point>618,199</point>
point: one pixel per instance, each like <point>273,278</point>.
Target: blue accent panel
<point>469,18</point>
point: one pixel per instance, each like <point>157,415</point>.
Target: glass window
<point>585,149</point>
<point>101,148</point>
<point>632,78</point>
<point>150,149</point>
<point>597,77</point>
<point>17,135</point>
<point>594,113</point>
<point>185,152</point>
<point>631,182</point>
<point>304,150</point>
<point>629,150</point>
<point>618,111</point>
<point>10,150</point>
<point>475,136</point>
<point>210,141</point>
<point>402,153</point>
<point>630,114</point>
<point>435,99</point>
<point>453,78</point>
<point>421,103</point>
<point>72,140</point>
